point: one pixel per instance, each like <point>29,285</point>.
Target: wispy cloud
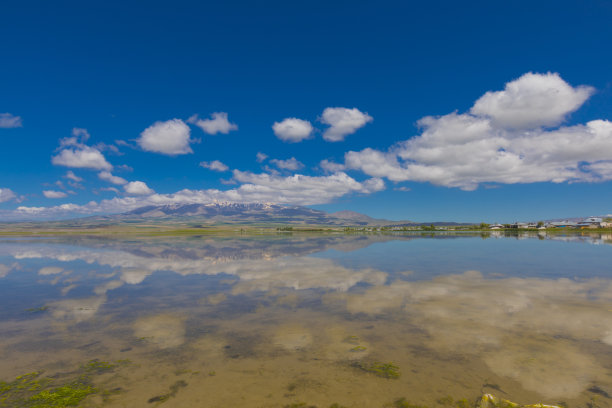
<point>71,176</point>
<point>8,120</point>
<point>289,164</point>
<point>218,124</point>
<point>54,194</point>
<point>330,166</point>
<point>108,176</point>
<point>215,165</point>
<point>6,194</point>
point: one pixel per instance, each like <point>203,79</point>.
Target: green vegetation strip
<point>384,370</point>
<point>33,390</point>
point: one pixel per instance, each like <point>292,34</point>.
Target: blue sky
<point>98,102</point>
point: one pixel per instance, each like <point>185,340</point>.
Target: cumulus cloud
<point>71,176</point>
<point>261,157</point>
<point>218,124</point>
<point>292,129</point>
<point>531,101</point>
<point>299,189</point>
<point>137,188</point>
<point>215,165</point>
<point>84,157</point>
<point>8,120</point>
<point>331,167</point>
<point>343,122</point>
<point>6,194</point>
<point>296,189</point>
<point>73,152</point>
<point>54,194</point>
<point>170,137</point>
<point>289,164</point>
<point>108,176</point>
<point>465,150</point>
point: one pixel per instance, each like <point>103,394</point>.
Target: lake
<point>306,320</point>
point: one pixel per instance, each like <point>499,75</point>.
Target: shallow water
<point>275,320</point>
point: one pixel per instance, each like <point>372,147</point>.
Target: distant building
<point>520,225</point>
<point>591,222</point>
<point>563,224</point>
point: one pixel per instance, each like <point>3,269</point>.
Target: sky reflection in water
<point>271,320</point>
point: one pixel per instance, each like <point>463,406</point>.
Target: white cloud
<point>170,137</point>
<point>292,129</point>
<point>218,124</point>
<point>296,189</point>
<point>75,153</point>
<point>137,188</point>
<point>84,157</point>
<point>261,157</point>
<point>8,120</point>
<point>330,166</point>
<point>289,164</point>
<point>531,101</point>
<point>113,189</point>
<point>215,165</point>
<point>465,150</point>
<point>71,176</point>
<point>343,122</point>
<point>54,194</point>
<point>6,194</point>
<point>108,176</point>
<point>81,134</point>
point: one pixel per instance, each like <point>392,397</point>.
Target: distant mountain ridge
<point>248,213</point>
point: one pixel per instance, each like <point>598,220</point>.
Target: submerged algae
<point>33,391</point>
<point>385,370</point>
<point>490,401</point>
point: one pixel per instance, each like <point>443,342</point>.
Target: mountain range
<point>247,213</point>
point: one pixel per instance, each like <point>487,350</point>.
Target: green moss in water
<point>98,367</point>
<point>463,403</point>
<point>352,340</point>
<point>403,403</point>
<point>358,349</point>
<point>65,396</point>
<point>34,391</point>
<point>21,387</point>
<point>385,370</point>
<point>448,401</point>
<point>299,405</point>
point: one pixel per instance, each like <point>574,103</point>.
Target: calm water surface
<point>270,321</point>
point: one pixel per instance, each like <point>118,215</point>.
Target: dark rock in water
<point>596,390</point>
